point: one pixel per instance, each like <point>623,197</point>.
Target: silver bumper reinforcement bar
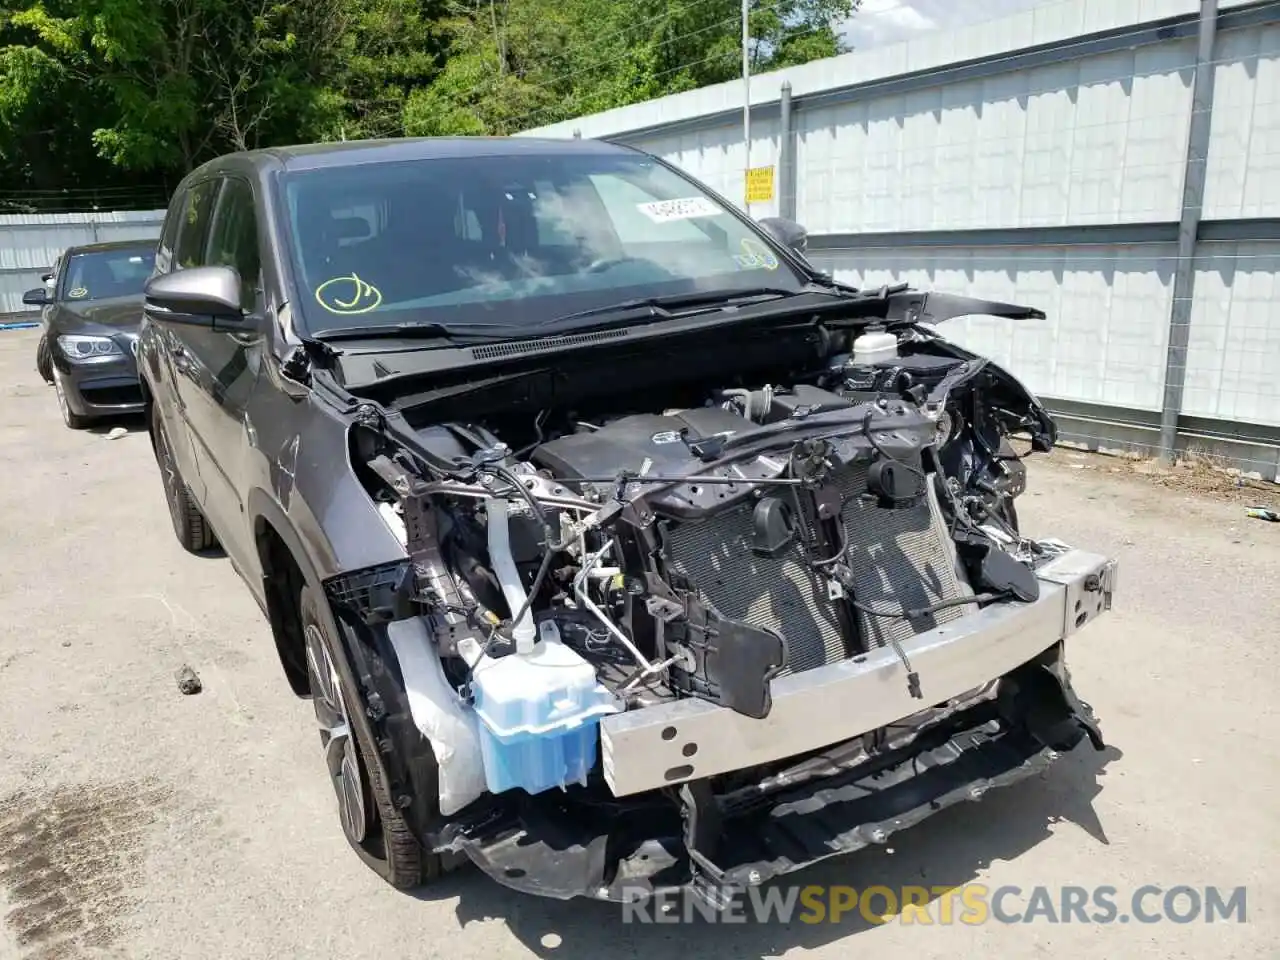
<point>690,739</point>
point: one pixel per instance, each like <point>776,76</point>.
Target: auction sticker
<point>684,208</point>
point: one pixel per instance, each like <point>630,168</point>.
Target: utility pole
<point>746,102</point>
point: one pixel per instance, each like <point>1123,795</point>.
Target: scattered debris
<point>188,682</point>
<point>116,433</point>
<point>1196,476</point>
<point>1262,513</point>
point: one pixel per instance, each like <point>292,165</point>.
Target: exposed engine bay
<point>635,626</point>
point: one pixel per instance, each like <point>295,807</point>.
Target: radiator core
<point>900,559</point>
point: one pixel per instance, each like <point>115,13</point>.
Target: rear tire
<point>189,524</point>
<point>369,818</point>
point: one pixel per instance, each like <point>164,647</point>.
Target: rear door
<point>222,369</point>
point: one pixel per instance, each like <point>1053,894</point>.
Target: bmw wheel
<point>44,359</point>
<point>72,419</point>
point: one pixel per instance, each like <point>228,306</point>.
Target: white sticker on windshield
<point>684,208</point>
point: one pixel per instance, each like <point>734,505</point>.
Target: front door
<point>182,242</point>
<point>223,370</point>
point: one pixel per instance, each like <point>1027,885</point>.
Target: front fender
<point>303,466</point>
<point>350,664</point>
<point>1013,394</point>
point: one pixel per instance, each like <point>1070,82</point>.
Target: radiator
<point>900,558</point>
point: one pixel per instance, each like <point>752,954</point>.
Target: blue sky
<point>889,21</point>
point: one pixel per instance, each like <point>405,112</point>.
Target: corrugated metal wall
<point>1039,158</point>
<point>29,243</point>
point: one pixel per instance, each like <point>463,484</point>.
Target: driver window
<point>233,241</point>
<point>193,226</point>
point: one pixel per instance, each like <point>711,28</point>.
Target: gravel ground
<point>139,823</point>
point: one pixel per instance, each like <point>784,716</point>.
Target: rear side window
<point>234,238</point>
<point>193,225</point>
<point>169,232</point>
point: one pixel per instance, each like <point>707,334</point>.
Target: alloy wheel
<point>336,737</point>
<point>63,407</point>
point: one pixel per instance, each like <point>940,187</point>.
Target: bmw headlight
<point>83,347</point>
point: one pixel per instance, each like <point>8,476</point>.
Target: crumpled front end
<point>710,637</point>
<point>745,801</point>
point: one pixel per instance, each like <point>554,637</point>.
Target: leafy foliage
<point>113,93</point>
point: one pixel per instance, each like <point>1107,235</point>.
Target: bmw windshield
<point>105,274</point>
<point>514,241</point>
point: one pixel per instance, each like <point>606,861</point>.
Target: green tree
<point>515,64</point>
<point>111,93</point>
<point>388,49</point>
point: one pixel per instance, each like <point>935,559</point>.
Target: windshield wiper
<point>425,330</point>
<point>663,306</point>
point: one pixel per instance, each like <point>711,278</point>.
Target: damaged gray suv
<point>619,549</point>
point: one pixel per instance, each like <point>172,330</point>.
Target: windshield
<point>102,274</point>
<point>511,240</point>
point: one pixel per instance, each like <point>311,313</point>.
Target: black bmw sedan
<point>91,311</point>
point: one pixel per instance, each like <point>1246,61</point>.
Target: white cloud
<point>880,22</point>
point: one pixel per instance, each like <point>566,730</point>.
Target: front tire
<point>44,359</point>
<point>370,821</point>
<point>189,524</point>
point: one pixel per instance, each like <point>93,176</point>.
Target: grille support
<point>900,559</point>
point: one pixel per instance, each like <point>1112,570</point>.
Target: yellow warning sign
<point>760,184</point>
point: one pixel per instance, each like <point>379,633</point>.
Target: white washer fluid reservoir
<point>539,717</point>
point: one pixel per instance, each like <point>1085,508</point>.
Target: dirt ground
<point>138,823</point>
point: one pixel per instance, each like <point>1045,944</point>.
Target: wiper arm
<point>424,330</point>
<point>663,306</point>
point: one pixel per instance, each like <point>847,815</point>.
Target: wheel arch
<point>286,568</point>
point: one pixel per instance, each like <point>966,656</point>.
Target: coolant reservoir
<point>539,717</point>
<point>876,345</point>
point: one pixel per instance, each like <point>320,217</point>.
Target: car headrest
<point>349,228</point>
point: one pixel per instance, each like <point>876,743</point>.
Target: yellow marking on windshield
<point>365,297</point>
<point>77,292</point>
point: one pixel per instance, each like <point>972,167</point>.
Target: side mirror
<point>36,298</point>
<point>787,232</point>
<point>200,296</point>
